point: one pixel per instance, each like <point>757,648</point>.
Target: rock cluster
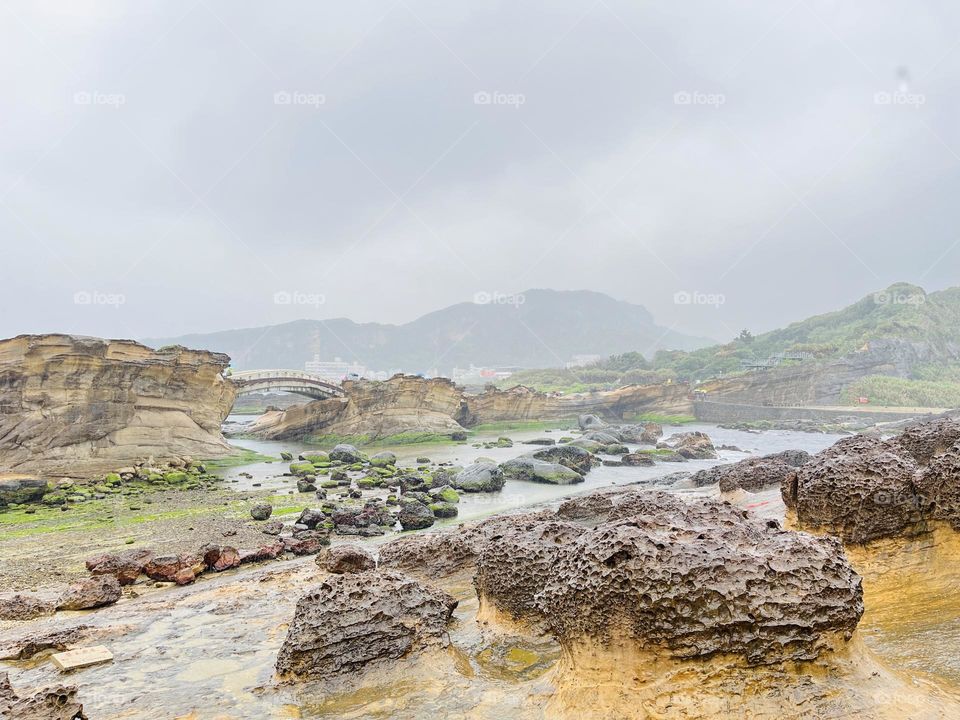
<point>353,620</point>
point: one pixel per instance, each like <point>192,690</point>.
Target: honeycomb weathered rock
<point>692,578</point>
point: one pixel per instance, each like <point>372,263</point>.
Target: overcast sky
<point>169,167</point>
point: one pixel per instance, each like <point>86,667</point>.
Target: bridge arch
<point>291,381</point>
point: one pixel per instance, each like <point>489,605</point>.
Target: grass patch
<point>517,425</point>
<point>330,441</point>
<point>901,392</point>
<point>663,419</point>
<point>242,457</point>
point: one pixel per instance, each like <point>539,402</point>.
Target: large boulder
<point>90,593</point>
<point>18,489</point>
<point>861,489</point>
<point>437,554</point>
<point>591,422</point>
<point>938,487</point>
<point>125,566</point>
<point>571,456</point>
<point>414,515</point>
<point>925,440</point>
<point>752,474</point>
<point>689,580</point>
<point>350,621</point>
<point>479,477</point>
<point>220,557</point>
<point>346,454</point>
<point>382,459</point>
<point>532,470</point>
<point>693,445</point>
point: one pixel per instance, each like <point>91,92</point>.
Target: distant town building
<point>480,375</point>
<point>584,360</point>
<point>335,370</point>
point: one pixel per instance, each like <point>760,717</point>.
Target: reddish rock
<point>264,552</point>
<point>220,557</point>
<point>308,542</point>
<point>181,569</point>
<point>636,459</point>
<point>90,593</point>
<point>126,566</point>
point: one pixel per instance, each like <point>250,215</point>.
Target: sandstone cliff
<point>79,406</point>
<point>522,403</point>
<point>412,404</point>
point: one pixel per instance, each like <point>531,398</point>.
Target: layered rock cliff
<point>522,403</point>
<point>79,406</point>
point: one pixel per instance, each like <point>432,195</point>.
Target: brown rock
<point>348,622</point>
<point>270,551</point>
<point>24,606</point>
<point>181,569</point>
<point>692,579</point>
<point>90,593</point>
<point>126,566</point>
<point>346,559</point>
<point>220,557</point>
<point>860,489</point>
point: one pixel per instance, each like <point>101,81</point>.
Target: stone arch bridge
<point>291,381</point>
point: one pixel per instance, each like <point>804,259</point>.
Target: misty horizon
<point>182,164</point>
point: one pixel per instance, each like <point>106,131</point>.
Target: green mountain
<point>532,329</point>
<point>899,346</point>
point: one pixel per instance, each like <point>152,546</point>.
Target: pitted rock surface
<point>924,441</point>
<point>346,559</point>
<point>938,487</point>
<point>860,489</point>
<point>349,621</point>
<point>58,702</point>
<point>694,579</point>
<point>437,554</point>
<point>752,474</point>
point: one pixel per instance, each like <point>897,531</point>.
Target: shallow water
<point>207,650</point>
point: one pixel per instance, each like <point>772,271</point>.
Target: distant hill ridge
<point>536,328</point>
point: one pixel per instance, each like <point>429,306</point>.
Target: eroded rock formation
<point>648,569</point>
<point>411,404</point>
<point>864,488</point>
<point>752,474</point>
<point>77,406</point>
<point>402,404</point>
<point>352,620</point>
